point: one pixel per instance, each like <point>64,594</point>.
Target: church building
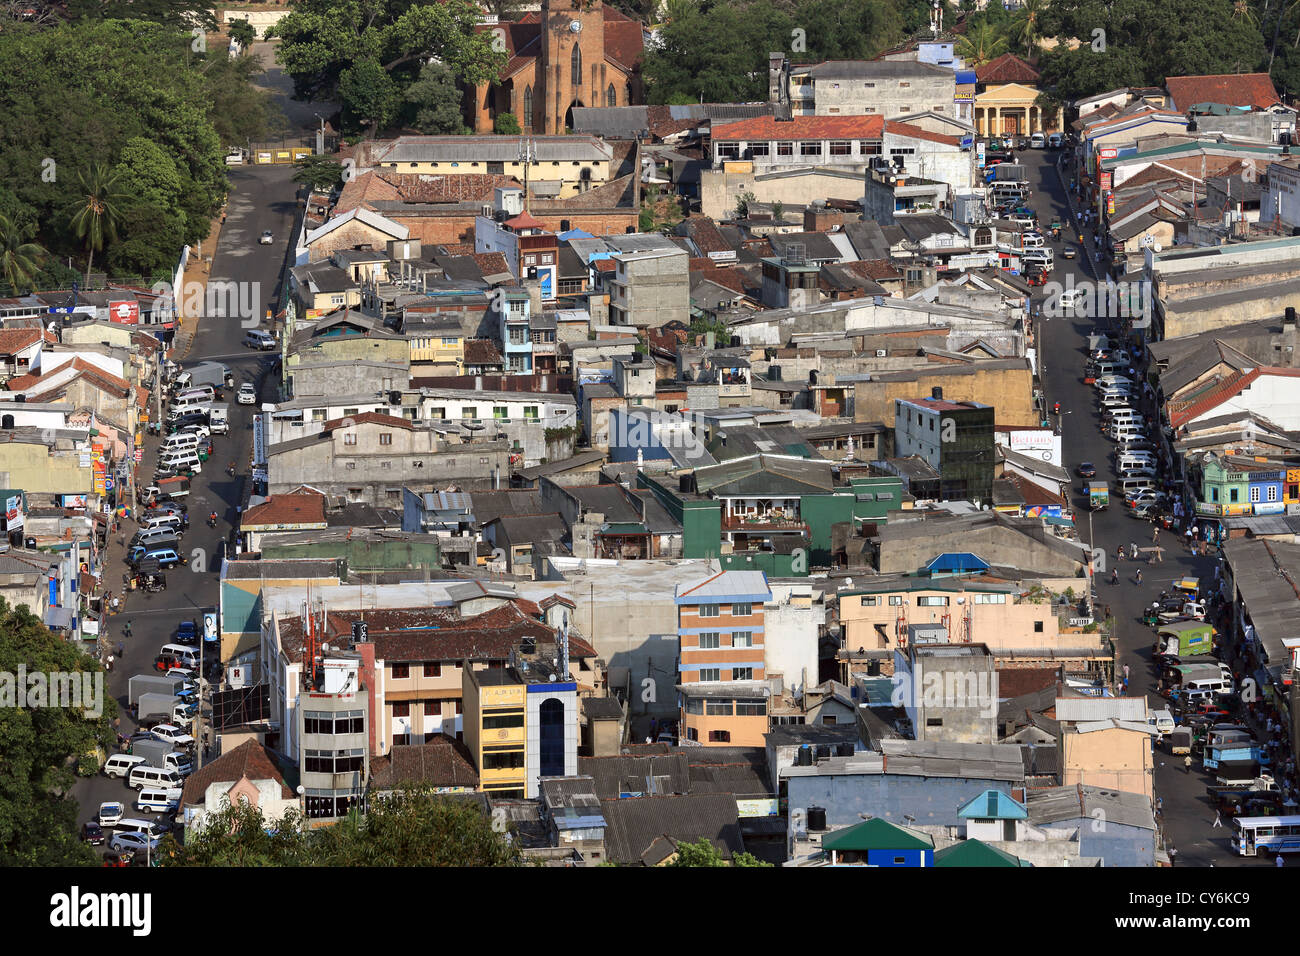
<point>572,53</point>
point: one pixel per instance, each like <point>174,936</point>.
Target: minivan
<point>182,651</point>
<point>147,828</point>
<point>1032,240</point>
<point>260,339</point>
<point>1042,257</point>
<point>1055,140</point>
<point>162,522</point>
<point>1220,685</point>
<point>1105,369</point>
<point>1140,471</point>
<point>158,800</point>
<point>1114,380</point>
<point>206,393</point>
<point>141,777</point>
<point>119,765</point>
<point>1124,416</point>
<point>180,460</point>
<point>1134,459</point>
<point>1129,486</point>
<point>1037,141</point>
<point>182,406</point>
<point>183,441</point>
<point>165,556</point>
<point>156,538</point>
<point>1129,432</point>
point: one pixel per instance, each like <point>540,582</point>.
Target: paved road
<point>1063,349</point>
<point>261,198</point>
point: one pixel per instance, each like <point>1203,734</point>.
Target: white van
<point>156,777</point>
<point>180,406</point>
<point>180,460</point>
<point>1111,369</point>
<point>186,653</point>
<point>1220,686</point>
<point>1042,257</point>
<point>1132,486</point>
<point>143,827</point>
<point>1125,433</point>
<point>1162,721</point>
<point>1124,415</point>
<point>219,419</point>
<point>182,440</point>
<point>157,538</point>
<point>1037,141</point>
<point>171,523</point>
<point>260,339</point>
<point>155,800</point>
<point>119,765</point>
<point>1114,380</point>
<point>1032,240</point>
<point>1135,459</point>
<point>204,392</point>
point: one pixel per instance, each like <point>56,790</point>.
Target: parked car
<point>266,238</point>
<point>170,733</point>
<point>132,842</point>
<point>92,833</point>
<point>247,394</point>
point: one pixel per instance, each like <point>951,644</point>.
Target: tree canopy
<point>39,748</point>
<point>413,827</point>
<point>704,853</point>
<point>367,53</point>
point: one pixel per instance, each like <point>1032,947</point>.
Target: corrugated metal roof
<point>1078,709</point>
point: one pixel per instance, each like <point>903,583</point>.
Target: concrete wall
<point>995,625</point>
<point>719,189</point>
<point>37,469</point>
<point>1115,844</point>
<point>1009,391</point>
<point>650,291</point>
<point>995,544</point>
<point>1115,759</point>
<point>334,377</point>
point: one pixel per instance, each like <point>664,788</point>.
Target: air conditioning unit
<point>881,353</point>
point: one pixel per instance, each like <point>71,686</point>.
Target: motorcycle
<point>212,520</point>
<point>230,469</point>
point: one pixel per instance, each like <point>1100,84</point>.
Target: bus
<point>1274,834</point>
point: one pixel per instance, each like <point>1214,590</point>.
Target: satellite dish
<point>1157,247</point>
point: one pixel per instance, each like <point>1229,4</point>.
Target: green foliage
<point>178,14</point>
<point>97,209</point>
<point>320,172</point>
<point>433,102</point>
<point>240,111</point>
<point>704,853</point>
<point>743,202</point>
<point>646,220</point>
<point>336,47</point>
<point>243,33</point>
<point>20,260</point>
<point>507,124</point>
<point>412,828</point>
<point>719,51</point>
<point>40,747</point>
<point>75,96</point>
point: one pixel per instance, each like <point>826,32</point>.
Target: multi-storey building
<point>723,691</point>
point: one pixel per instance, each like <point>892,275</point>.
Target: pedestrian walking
<point>1155,534</point>
<point>1279,860</point>
<point>1188,535</point>
<point>1160,805</point>
<point>1133,550</point>
<point>1139,576</point>
<point>1187,764</point>
<point>1123,688</point>
<point>1114,576</point>
<point>1126,673</point>
<point>1218,820</point>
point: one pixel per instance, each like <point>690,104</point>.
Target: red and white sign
<point>124,313</point>
<point>1109,152</point>
<point>1105,180</point>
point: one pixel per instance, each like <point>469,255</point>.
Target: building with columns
<point>573,53</point>
<point>1006,101</point>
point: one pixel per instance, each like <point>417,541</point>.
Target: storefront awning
<point>58,618</point>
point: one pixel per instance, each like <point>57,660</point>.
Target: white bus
<point>1274,834</point>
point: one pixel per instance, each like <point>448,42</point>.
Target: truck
<point>1098,495</point>
<point>159,753</point>
<point>1184,638</point>
<point>209,373</point>
<point>167,489</point>
<point>142,684</point>
<point>156,703</point>
<point>1234,753</point>
<point>1009,173</point>
<point>219,418</point>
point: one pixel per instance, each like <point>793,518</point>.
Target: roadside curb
<point>195,272</point>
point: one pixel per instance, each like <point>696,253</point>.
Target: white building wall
<point>790,635</point>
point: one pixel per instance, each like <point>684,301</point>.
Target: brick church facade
<point>574,53</point>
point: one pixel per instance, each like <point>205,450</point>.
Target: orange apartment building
<point>720,637</point>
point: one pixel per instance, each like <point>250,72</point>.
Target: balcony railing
<point>762,523</point>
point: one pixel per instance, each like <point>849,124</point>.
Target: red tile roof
<point>482,352</point>
<point>525,221</point>
<point>1032,493</point>
<point>802,127</point>
<point>916,132</point>
<point>442,762</point>
<point>250,760</point>
<point>1008,68</point>
<point>1180,413</point>
<point>1236,89</point>
<point>624,39</point>
<point>15,340</point>
<point>297,508</point>
<point>875,269</point>
<point>375,418</point>
<point>105,381</point>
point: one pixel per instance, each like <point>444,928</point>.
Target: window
<point>611,96</point>
<point>694,705</point>
<point>710,673</point>
<point>742,610</point>
<point>1272,492</point>
<point>1232,495</point>
<point>742,638</point>
<point>438,413</point>
<point>870,601</point>
<point>500,413</point>
<point>810,148</point>
<point>530,260</point>
<point>432,670</point>
<point>502,721</point>
<point>785,149</point>
<point>934,600</point>
<point>709,641</point>
<point>469,412</point>
<point>903,85</point>
<point>760,149</point>
<point>728,150</point>
<point>1038,627</point>
<point>350,412</point>
<point>1254,493</point>
<point>350,438</point>
<point>902,151</point>
<point>746,707</point>
<point>934,721</point>
<point>895,600</point>
<point>401,671</point>
<point>528,109</point>
<point>869,148</point>
<point>841,148</point>
<point>708,610</point>
<point>988,599</point>
<point>719,736</point>
<point>402,708</point>
<point>530,413</point>
<point>718,708</point>
<point>386,438</point>
<point>692,733</point>
<point>575,65</point>
<point>742,673</point>
<point>504,761</point>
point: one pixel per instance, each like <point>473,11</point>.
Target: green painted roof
<point>876,834</point>
<point>1189,148</point>
<point>623,527</point>
<point>993,805</point>
<point>976,853</point>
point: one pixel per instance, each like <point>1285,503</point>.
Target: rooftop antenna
<point>527,156</point>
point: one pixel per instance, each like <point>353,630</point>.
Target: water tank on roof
<point>816,819</point>
<point>844,750</point>
<point>823,751</point>
<point>803,757</point>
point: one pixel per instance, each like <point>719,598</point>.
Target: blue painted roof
<point>957,561</point>
<point>993,805</point>
<point>574,234</point>
<point>965,76</point>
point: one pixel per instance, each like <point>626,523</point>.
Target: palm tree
<point>1030,22</point>
<point>982,43</point>
<point>1241,11</point>
<point>97,215</point>
<point>19,260</point>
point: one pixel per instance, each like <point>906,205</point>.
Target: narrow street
<point>1062,342</point>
